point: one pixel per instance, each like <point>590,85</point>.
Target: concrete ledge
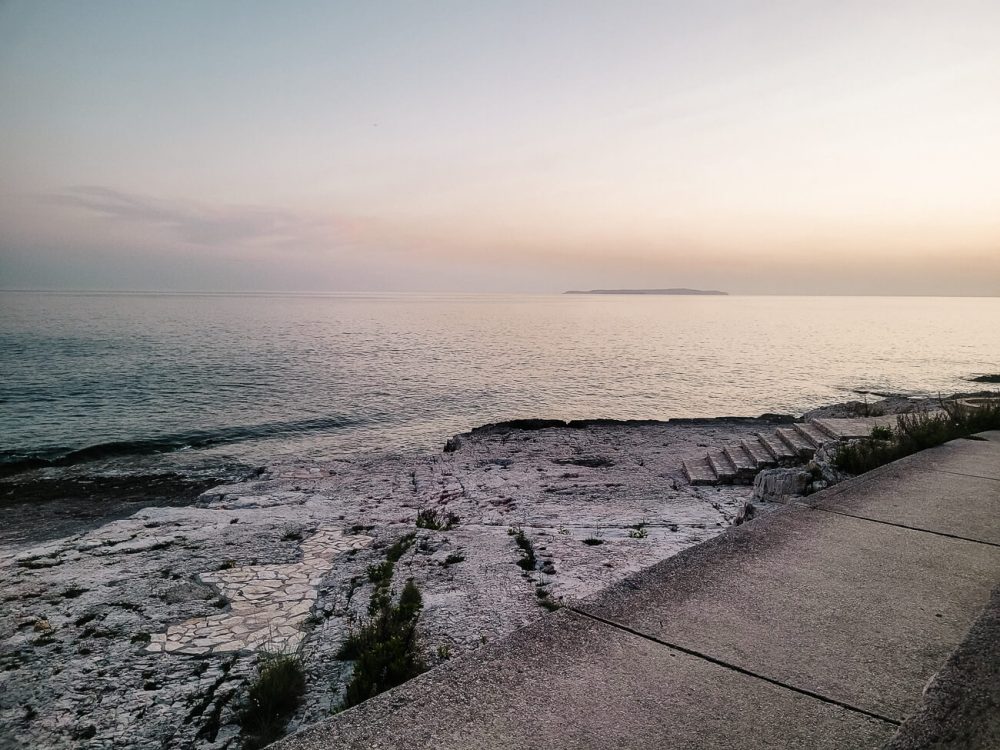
<point>861,612</point>
<point>568,681</point>
<point>961,706</point>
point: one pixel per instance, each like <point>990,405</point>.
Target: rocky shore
<point>142,631</point>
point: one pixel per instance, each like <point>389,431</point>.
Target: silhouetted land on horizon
<point>648,291</point>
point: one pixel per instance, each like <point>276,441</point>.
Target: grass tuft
<point>429,518</point>
<point>384,648</point>
<point>528,560</point>
<point>273,697</point>
<point>399,548</point>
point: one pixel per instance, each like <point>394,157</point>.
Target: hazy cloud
<point>196,223</point>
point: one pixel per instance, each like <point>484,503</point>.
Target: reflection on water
<point>357,372</point>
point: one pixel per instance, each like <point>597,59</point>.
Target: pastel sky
<point>758,147</point>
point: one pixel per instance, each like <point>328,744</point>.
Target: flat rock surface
<point>143,632</point>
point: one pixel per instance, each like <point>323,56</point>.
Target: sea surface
<point>195,377</point>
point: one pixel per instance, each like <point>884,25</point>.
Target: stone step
<point>824,429</point>
<point>699,471</point>
<point>853,428</point>
<point>777,448</point>
<point>760,454</point>
<point>813,436</point>
<point>746,467</point>
<point>795,442</point>
<point>722,466</point>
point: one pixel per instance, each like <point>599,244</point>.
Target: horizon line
<point>319,292</point>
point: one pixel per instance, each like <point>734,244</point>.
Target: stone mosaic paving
<point>268,603</point>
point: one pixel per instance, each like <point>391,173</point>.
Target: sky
<point>755,147</point>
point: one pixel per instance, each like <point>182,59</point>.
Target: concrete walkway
<point>816,626</point>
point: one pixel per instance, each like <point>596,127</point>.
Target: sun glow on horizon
<point>787,148</point>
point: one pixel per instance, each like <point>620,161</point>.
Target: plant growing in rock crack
<point>384,647</point>
<point>429,518</point>
<point>638,531</point>
<point>273,696</point>
<point>453,559</point>
<point>528,560</point>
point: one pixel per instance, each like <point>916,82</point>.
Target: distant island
<point>649,291</point>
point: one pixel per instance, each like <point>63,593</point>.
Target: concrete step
<point>746,467</point>
<point>783,455</point>
<point>853,428</point>
<point>824,429</point>
<point>760,454</point>
<point>813,436</point>
<point>722,466</point>
<point>700,472</point>
<point>795,442</point>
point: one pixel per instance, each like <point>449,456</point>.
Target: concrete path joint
<point>735,668</point>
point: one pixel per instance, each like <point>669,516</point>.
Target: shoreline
<point>147,615</point>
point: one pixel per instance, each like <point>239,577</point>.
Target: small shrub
<point>384,648</point>
<point>916,432</point>
<point>429,518</point>
<point>380,572</point>
<point>273,697</point>
<point>881,433</point>
<point>638,531</point>
<point>528,560</point>
<point>399,548</point>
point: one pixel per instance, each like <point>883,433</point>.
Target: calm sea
<point>253,377</point>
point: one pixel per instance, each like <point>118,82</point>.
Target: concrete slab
<point>568,681</point>
<point>980,458</point>
<point>954,504</point>
<point>858,611</point>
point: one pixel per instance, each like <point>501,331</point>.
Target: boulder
<point>775,485</point>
